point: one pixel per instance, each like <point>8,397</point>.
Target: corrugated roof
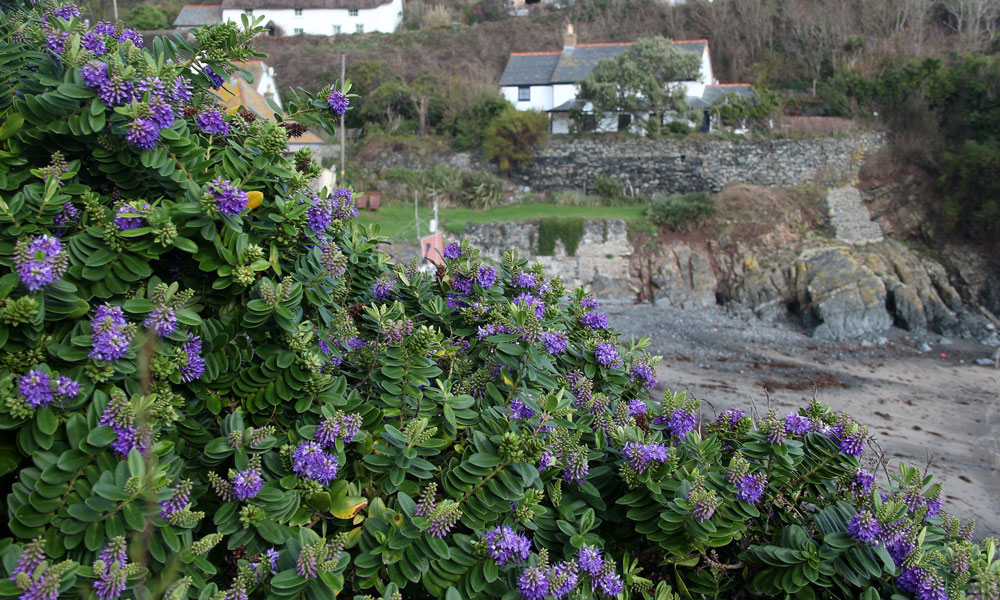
<point>573,64</point>
<point>306,4</point>
<point>194,15</point>
<point>531,68</point>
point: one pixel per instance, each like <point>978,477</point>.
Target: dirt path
<point>922,406</point>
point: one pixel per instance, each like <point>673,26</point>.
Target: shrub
<point>680,211</point>
<point>436,17</point>
<point>482,190</point>
<point>467,126</point>
<point>609,190</point>
<point>214,387</point>
<point>677,128</point>
<point>512,137</point>
<point>148,17</point>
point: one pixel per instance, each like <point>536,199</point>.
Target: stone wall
<point>601,260</point>
<point>460,161</point>
<point>671,166</point>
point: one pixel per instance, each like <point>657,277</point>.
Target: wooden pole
<point>416,213</point>
<point>343,77</point>
<point>114,8</point>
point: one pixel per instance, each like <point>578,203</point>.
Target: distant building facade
<point>550,81</point>
<point>297,17</point>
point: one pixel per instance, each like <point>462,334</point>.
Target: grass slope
<point>396,220</point>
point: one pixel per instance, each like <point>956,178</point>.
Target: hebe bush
<point>681,211</point>
<point>215,387</point>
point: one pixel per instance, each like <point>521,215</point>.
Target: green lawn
<point>397,221</point>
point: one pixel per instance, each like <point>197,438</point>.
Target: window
<point>298,31</point>
<point>248,12</point>
<point>352,12</point>
<point>524,93</point>
<point>336,30</point>
<point>298,12</point>
<point>359,28</point>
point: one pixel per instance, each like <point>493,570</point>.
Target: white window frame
<point>248,12</point>
<point>298,31</point>
<point>524,93</point>
<point>336,30</point>
<point>298,12</point>
<point>352,12</point>
<point>359,28</point>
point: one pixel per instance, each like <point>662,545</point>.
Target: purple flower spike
<point>337,101</point>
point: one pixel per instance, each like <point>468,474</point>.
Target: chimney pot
<point>569,38</point>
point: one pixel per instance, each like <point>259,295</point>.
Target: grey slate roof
<point>713,93</point>
<point>572,65</point>
<point>533,68</point>
<point>194,15</point>
<point>574,104</point>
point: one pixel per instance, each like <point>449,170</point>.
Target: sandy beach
<point>933,406</point>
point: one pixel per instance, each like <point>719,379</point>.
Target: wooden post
<point>416,213</point>
<point>343,77</point>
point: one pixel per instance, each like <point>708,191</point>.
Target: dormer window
<point>298,12</point>
<point>352,12</point>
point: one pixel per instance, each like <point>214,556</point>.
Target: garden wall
<point>600,259</point>
<point>671,166</point>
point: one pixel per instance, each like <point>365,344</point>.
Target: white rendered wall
<point>541,97</point>
<point>266,85</point>
<point>564,92</point>
<point>707,77</point>
<point>320,21</point>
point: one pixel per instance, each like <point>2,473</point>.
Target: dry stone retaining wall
<point>671,166</point>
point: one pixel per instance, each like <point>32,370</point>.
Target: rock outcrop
<point>843,291</point>
<point>839,290</point>
<point>679,274</point>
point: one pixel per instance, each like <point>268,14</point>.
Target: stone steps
<point>849,217</point>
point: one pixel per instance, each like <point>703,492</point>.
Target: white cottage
<point>296,17</point>
<point>550,81</point>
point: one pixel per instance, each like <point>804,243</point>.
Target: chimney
<point>569,38</point>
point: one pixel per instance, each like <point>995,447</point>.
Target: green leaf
<point>287,580</point>
<point>185,245</point>
<point>101,436</point>
<point>47,422</point>
<point>484,460</point>
<point>838,539</point>
<point>11,126</point>
<point>136,463</point>
<point>272,532</point>
<point>137,305</point>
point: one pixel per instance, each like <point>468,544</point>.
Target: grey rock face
<point>839,297</point>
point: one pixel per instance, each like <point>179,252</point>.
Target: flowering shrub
<point>215,387</point>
